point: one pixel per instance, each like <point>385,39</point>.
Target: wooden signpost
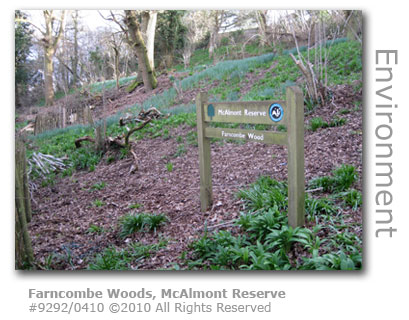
<point>289,113</point>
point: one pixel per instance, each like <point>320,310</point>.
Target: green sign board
<point>253,112</point>
<point>289,113</point>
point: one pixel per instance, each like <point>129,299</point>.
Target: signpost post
<point>289,113</point>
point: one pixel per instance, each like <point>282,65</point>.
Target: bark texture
<point>135,40</point>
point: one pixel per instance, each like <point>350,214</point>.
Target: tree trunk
<point>75,59</point>
<point>48,76</point>
<point>49,43</point>
<point>148,27</point>
<point>135,40</point>
<point>214,31</point>
<point>23,251</point>
<point>116,66</point>
<point>150,37</point>
<point>262,26</point>
<point>17,102</point>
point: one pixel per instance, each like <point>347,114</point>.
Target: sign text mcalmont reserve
<point>220,294</point>
<point>384,60</point>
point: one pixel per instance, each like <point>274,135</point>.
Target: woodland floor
<point>63,213</point>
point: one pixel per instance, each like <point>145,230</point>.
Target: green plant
<point>332,261</point>
<point>95,229</point>
<point>132,223</point>
<point>265,193</point>
<point>126,258</point>
<point>110,159</point>
<point>156,220</point>
<point>318,207</point>
<point>337,122</point>
<point>98,186</point>
<point>282,128</point>
<point>49,180</point>
<point>262,223</point>
<point>344,111</point>
<point>191,138</point>
<point>352,198</point>
<point>316,123</point>
<point>111,259</point>
<point>283,238</point>
<point>345,176</point>
<point>264,241</point>
<point>134,206</point>
<point>342,179</point>
<point>124,152</point>
<point>181,150</point>
<point>169,166</point>
<point>97,203</point>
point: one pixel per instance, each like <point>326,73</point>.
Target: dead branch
<point>313,190</point>
<point>152,113</point>
<point>128,134</point>
<point>144,117</point>
<point>27,128</point>
<point>79,141</point>
<point>134,167</point>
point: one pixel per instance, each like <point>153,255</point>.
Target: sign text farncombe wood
<point>289,113</point>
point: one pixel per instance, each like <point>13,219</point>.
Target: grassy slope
<point>344,66</point>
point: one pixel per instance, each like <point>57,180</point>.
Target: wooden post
<point>296,179</point>
<point>63,116</point>
<point>206,194</point>
<point>23,251</point>
<point>26,191</point>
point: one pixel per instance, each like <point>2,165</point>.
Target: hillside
<point>81,215</point>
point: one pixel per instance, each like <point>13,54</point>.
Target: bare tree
<point>116,44</point>
<point>216,18</point>
<point>75,57</point>
<point>131,28</point>
<point>197,27</point>
<point>315,73</point>
<point>261,16</point>
<point>51,36</point>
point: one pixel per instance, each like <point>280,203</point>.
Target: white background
<point>379,291</point>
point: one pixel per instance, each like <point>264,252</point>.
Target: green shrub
<point>345,176</point>
<point>317,123</point>
<point>337,122</point>
<point>265,193</point>
<point>319,207</point>
<point>121,259</point>
<point>352,198</point>
<point>111,259</point>
<point>342,179</point>
<point>259,225</point>
<point>139,222</point>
